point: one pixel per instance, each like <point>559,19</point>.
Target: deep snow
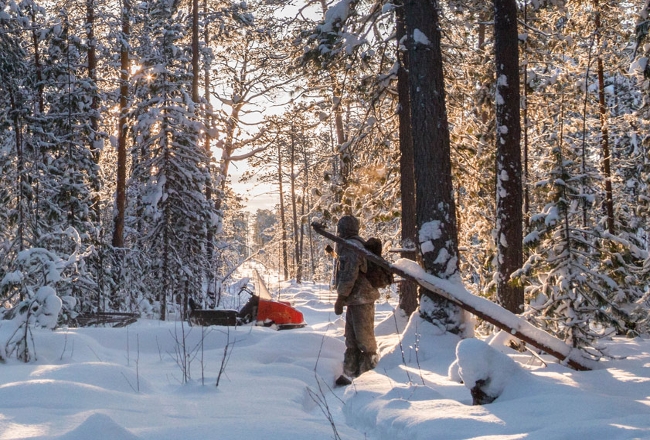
<point>126,383</point>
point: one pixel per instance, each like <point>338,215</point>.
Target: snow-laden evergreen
<point>169,213</point>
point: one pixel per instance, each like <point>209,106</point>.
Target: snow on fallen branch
<point>498,316</point>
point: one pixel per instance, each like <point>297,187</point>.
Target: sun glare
<point>15,430</point>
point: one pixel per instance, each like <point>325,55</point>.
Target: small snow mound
<point>98,426</point>
<point>395,323</point>
<point>502,339</point>
<point>480,364</point>
<point>337,324</point>
<point>332,328</point>
<point>413,393</point>
<point>419,343</point>
<point>454,372</point>
<point>313,304</point>
<point>298,293</point>
<point>107,376</point>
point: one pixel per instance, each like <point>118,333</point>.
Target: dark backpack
<point>377,275</point>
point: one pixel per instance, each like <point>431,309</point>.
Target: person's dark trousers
<point>361,346</point>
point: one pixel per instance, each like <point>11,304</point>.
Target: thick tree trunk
<point>408,296</point>
<point>509,233</point>
<point>120,198</point>
<point>435,206</point>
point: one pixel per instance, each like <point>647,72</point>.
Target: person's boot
<point>351,366</point>
<point>351,362</point>
<point>343,380</point>
<point>367,362</point>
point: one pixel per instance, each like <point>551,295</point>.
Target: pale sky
<point>259,196</point>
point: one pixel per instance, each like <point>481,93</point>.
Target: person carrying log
<point>578,359</point>
<point>355,292</point>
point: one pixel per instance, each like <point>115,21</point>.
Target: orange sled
<point>279,313</point>
<point>260,308</point>
<point>261,311</point>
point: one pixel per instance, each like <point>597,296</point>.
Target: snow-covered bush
<point>34,268</point>
<point>484,370</point>
<point>15,329</point>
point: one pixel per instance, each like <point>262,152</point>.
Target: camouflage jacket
<point>350,280</point>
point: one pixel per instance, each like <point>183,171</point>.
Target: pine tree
<point>436,213</point>
<point>170,165</point>
<point>14,107</point>
<point>508,168</point>
<point>582,137</point>
<point>568,296</point>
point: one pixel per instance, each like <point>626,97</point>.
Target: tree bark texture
<point>509,232</point>
<point>408,300</point>
<point>431,149</point>
<point>120,197</point>
<point>435,206</point>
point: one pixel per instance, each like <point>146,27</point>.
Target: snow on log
<point>480,307</point>
<point>497,315</point>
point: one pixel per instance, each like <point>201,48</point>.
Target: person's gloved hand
<point>338,306</point>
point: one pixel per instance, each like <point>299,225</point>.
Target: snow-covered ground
<point>127,383</point>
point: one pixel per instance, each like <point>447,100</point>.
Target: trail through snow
<point>106,383</point>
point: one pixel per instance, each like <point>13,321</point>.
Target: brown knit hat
<point>348,226</point>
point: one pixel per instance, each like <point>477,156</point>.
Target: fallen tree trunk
<point>480,307</point>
